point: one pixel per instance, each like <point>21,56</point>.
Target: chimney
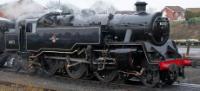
<point>140,6</point>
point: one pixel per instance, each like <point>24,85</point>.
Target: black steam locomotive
<point>105,46</point>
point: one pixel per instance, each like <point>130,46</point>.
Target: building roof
<point>195,10</point>
<point>176,8</point>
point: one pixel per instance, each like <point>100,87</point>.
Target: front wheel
<point>171,75</point>
<point>150,78</point>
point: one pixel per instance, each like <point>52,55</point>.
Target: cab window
<point>31,27</point>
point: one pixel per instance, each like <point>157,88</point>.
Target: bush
<point>195,20</point>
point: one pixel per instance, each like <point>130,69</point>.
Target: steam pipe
<point>128,36</point>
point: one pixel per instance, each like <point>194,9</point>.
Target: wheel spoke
<point>106,75</point>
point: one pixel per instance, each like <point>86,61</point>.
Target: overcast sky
<point>125,4</point>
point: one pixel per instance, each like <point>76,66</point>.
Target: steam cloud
<point>24,8</point>
<point>98,11</point>
<point>15,10</point>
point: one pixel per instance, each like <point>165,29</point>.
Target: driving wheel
<point>75,69</point>
<point>50,66</point>
<point>106,75</point>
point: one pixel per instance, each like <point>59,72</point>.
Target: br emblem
<point>53,38</point>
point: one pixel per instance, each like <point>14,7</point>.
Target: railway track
<point>60,83</point>
<point>24,81</point>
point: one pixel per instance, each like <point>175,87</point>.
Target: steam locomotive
<point>105,46</point>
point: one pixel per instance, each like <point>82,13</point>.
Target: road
<point>25,82</point>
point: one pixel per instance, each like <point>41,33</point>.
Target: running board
<point>80,60</point>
